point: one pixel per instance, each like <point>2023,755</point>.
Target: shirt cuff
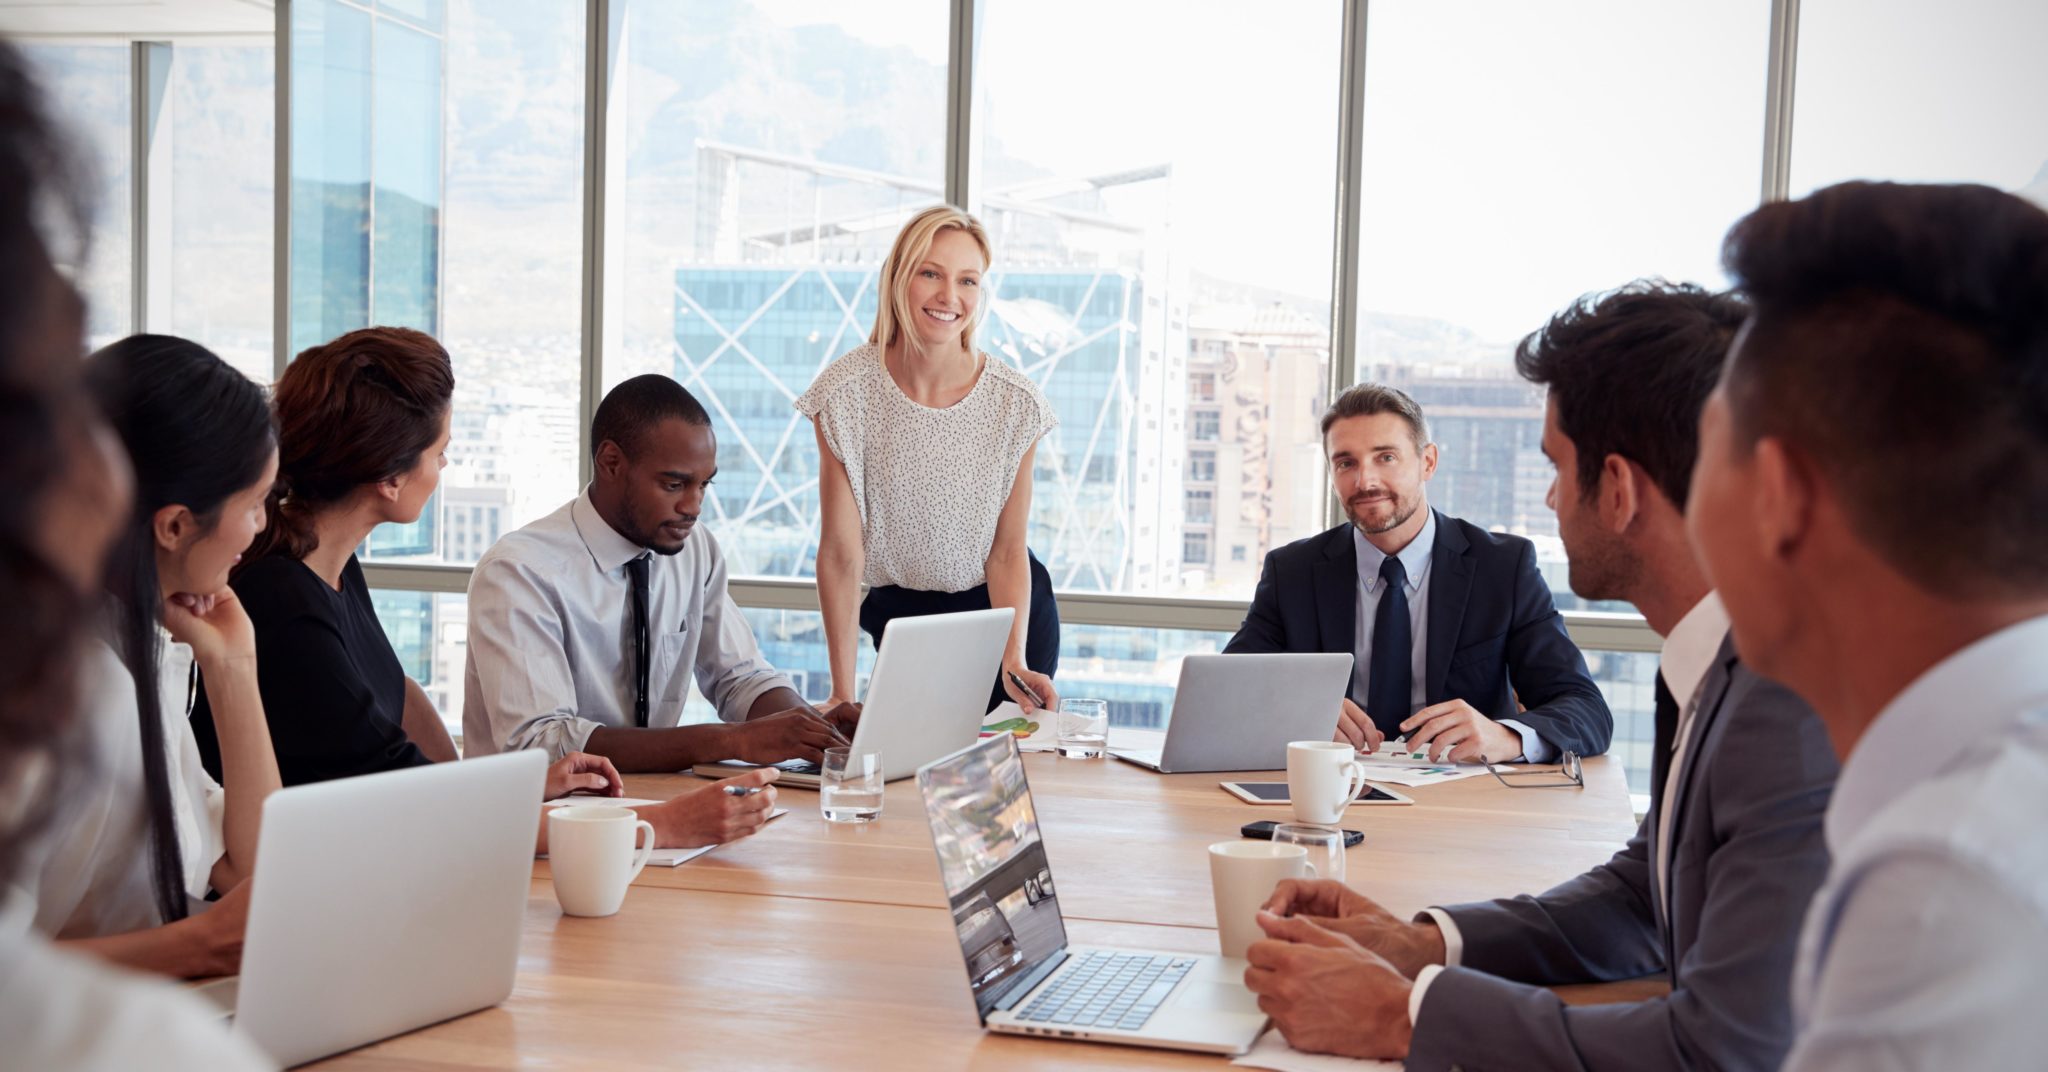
<point>557,736</point>
<point>1454,939</point>
<point>1534,748</point>
<point>1417,992</point>
<point>741,699</point>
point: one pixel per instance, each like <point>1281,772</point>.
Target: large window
<point>222,182</point>
<point>89,87</point>
<point>428,195</point>
<point>1891,89</point>
<point>769,152</point>
<point>1517,156</point>
<point>1160,178</point>
<point>1163,207</point>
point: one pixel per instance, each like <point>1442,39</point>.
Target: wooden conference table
<point>819,945</point>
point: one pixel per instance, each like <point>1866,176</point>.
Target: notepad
<point>661,857</point>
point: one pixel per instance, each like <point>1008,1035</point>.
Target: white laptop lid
<point>930,687</point>
<point>387,902</point>
<point>1237,712</point>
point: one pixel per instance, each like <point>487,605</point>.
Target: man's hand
<point>1355,728</point>
<point>798,733</point>
<point>1326,993</point>
<point>844,716</point>
<point>711,816</point>
<point>1339,908</point>
<point>217,935</point>
<point>1467,734</point>
<point>215,625</point>
<point>582,771</point>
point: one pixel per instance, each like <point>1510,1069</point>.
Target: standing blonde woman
<point>925,446</point>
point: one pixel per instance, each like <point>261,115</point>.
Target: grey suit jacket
<point>1750,797</point>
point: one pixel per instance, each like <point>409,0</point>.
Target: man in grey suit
<point>1713,886</point>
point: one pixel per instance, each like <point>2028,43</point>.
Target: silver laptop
<point>385,903</point>
<point>1237,712</point>
<point>926,697</point>
<point>1025,978</point>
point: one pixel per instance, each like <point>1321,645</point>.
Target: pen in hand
<point>741,790</point>
<point>1036,700</point>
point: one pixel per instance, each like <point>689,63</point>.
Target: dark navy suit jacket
<point>1494,634</point>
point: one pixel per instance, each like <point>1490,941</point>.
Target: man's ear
<point>1429,456</point>
<point>609,459</point>
<point>1785,490</point>
<point>173,526</point>
<point>1620,498</point>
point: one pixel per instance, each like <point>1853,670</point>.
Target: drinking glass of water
<point>1083,728</point>
<point>1325,845</point>
<point>850,786</point>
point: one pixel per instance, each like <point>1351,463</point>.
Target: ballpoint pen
<point>1025,689</point>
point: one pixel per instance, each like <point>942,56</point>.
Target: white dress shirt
<point>1687,654</point>
<point>551,636</point>
<point>1415,559</point>
<point>1926,947</point>
<point>61,1011</point>
<point>91,871</point>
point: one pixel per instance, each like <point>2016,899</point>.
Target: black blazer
<point>1494,634</point>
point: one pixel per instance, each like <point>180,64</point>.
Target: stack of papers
<point>661,857</point>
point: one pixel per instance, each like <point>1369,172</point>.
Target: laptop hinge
<point>1028,982</point>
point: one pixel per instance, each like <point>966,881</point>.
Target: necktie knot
<point>1392,572</point>
<point>636,568</point>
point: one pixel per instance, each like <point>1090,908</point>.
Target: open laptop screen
<point>993,863</point>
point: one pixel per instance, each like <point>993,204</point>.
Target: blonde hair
<point>912,244</point>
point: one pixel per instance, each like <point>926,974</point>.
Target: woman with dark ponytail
<point>362,427</point>
<point>140,854</point>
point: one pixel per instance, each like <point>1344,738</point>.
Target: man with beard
<point>1450,626</point>
<point>1708,890</point>
<point>585,625</point>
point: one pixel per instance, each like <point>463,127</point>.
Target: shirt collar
<point>1414,557</point>
<point>1690,650</point>
<point>1963,702</point>
<point>608,549</point>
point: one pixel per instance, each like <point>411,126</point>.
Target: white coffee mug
<point>591,853</point>
<point>1243,874</point>
<point>1323,778</point>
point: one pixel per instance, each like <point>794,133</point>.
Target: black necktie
<point>1667,736</point>
<point>1390,681</point>
<point>637,570</point>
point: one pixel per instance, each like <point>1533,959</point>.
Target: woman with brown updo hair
<point>362,426</point>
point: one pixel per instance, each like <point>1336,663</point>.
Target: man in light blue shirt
<point>1871,500</point>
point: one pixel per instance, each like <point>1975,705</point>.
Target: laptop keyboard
<point>1108,989</point>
